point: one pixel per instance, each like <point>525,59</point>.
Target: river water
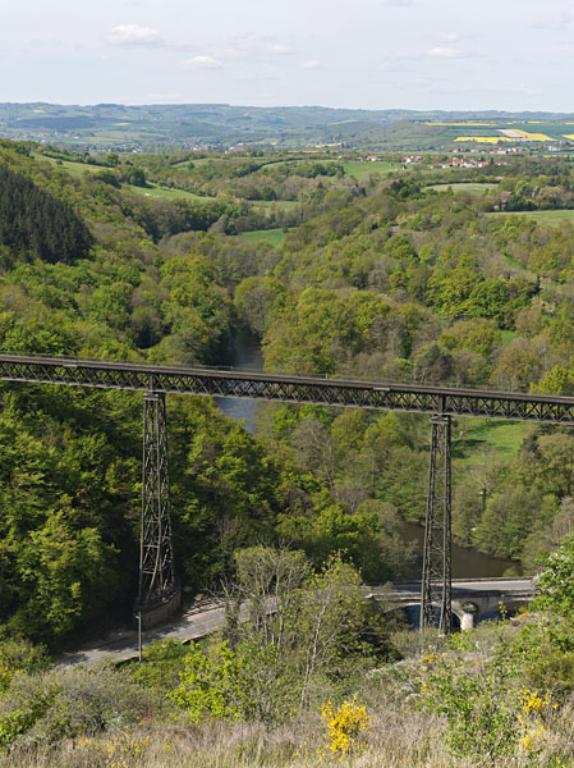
<point>466,563</point>
<point>246,355</point>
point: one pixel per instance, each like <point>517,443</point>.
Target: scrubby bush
<point>49,707</point>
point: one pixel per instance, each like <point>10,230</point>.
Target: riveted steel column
<point>157,584</point>
<point>436,584</point>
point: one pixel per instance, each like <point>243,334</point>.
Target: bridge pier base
<point>436,585</point>
<point>159,594</point>
<point>469,618</point>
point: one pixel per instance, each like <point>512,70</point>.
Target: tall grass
<point>398,738</point>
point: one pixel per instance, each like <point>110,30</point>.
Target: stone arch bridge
<point>472,600</point>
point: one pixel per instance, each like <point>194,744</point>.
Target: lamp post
<point>140,637</point>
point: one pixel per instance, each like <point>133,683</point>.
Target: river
<point>246,355</point>
<point>466,563</point>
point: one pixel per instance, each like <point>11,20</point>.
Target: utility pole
<point>436,584</point>
<point>140,637</point>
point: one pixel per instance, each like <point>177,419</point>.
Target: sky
<point>374,54</point>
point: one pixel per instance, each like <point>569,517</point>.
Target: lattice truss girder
<point>157,582</point>
<point>416,398</point>
<point>436,583</point>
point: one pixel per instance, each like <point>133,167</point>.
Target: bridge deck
<point>295,389</point>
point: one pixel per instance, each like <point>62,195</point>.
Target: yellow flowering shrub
<point>346,725</point>
<point>533,713</point>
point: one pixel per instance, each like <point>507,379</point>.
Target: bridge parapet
<point>473,600</point>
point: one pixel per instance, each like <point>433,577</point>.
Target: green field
<point>167,193</point>
<point>362,169</point>
<point>275,237</point>
<point>476,440</point>
<point>266,205</point>
<point>472,188</point>
<point>152,190</point>
<point>74,169</point>
<point>544,217</point>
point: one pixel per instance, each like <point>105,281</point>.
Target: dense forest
<point>414,274</point>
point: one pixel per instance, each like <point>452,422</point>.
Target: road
<point>203,620</point>
<point>123,646</point>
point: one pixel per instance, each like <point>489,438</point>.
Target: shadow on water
<point>245,355</point>
<point>466,563</point>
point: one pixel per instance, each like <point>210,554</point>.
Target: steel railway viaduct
<point>159,594</point>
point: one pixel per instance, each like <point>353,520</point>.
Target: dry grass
<point>399,735</point>
<point>398,738</point>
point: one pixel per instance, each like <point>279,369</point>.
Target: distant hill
<point>152,127</point>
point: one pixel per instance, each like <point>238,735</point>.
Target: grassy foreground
<point>491,697</point>
<point>400,734</point>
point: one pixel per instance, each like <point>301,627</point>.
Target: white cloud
<point>202,62</point>
<point>443,52</point>
<point>311,64</point>
<point>134,34</point>
<point>399,3</point>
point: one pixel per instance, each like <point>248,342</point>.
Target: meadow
<point>275,237</point>
<point>362,169</point>
<point>166,193</point>
<point>469,187</point>
<point>479,442</point>
<point>550,217</point>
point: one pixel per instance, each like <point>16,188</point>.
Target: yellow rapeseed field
<point>483,139</point>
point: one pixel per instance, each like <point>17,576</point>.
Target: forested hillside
<point>381,276</point>
<point>335,266</point>
<point>165,127</point>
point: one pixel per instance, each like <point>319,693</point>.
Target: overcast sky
<point>420,54</point>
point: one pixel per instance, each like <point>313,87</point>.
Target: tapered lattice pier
<point>157,582</point>
<point>437,550</point>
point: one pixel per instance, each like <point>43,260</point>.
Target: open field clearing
<point>478,439</point>
<point>287,204</point>
<point>543,217</point>
<point>472,188</point>
<point>74,169</point>
<point>158,192</point>
<point>275,237</point>
<point>152,190</point>
<point>166,193</point>
<point>362,169</point>
<point>269,205</point>
<point>519,135</point>
<point>483,139</point>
